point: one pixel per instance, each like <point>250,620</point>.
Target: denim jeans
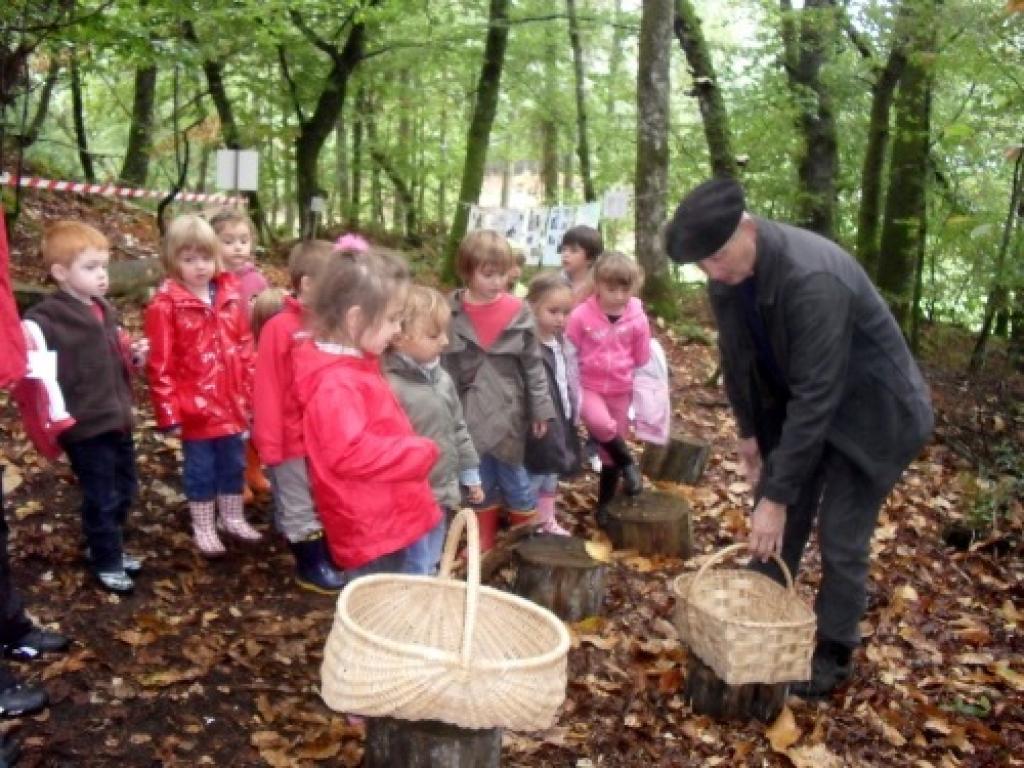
<point>105,468</point>
<point>214,467</point>
<point>506,483</point>
<point>424,554</point>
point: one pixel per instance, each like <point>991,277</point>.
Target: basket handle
<point>724,553</point>
<point>465,519</point>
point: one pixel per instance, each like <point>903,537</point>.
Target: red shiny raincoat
<point>200,365</point>
<point>368,469</point>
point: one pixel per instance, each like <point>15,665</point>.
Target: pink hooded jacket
<point>608,353</point>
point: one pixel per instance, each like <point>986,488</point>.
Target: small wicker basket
<point>744,625</point>
<point>426,648</point>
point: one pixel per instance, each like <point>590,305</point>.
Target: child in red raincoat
<point>369,469</point>
<point>200,372</point>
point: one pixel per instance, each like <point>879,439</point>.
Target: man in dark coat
<point>829,403</point>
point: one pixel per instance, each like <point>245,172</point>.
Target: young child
<point>515,285</point>
<point>200,377</point>
<point>236,233</point>
<point>558,452</point>
<point>495,361</point>
<point>94,376</point>
<point>580,248</point>
<point>428,395</point>
<point>277,423</point>
<point>368,467</point>
<point>612,338</point>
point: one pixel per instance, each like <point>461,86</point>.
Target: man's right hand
<point>750,459</point>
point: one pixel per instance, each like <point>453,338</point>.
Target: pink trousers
<point>605,417</point>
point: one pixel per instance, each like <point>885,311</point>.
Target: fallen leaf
<point>783,733</point>
<point>1015,679</point>
<point>599,550</point>
<point>816,756</point>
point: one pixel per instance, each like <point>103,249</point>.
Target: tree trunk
<point>906,203</point>
<point>548,124</point>
<point>78,111</point>
<point>882,90</point>
<point>392,743</point>
<point>341,168</point>
<point>376,189</point>
<point>567,177</point>
<point>582,142</point>
<point>997,296</point>
<point>135,168</point>
<point>653,88</point>
<point>714,115</point>
<point>806,53</point>
<point>402,192</point>
<point>655,522</point>
<point>485,106</point>
<point>558,573</point>
<point>35,125</point>
<point>315,130</point>
<point>355,208</point>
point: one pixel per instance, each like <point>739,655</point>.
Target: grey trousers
<point>295,513</point>
<point>846,504</point>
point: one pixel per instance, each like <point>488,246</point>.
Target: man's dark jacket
<point>849,380</point>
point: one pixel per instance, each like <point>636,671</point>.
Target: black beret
<point>704,221</point>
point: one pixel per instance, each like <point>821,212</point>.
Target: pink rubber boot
<point>546,515</point>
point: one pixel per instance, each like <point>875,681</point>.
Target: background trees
<point>890,125</point>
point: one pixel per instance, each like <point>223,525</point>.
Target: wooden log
<point>394,743</point>
<point>652,523</point>
<point>26,294</point>
<point>558,573</point>
<point>133,278</point>
<point>682,460</point>
<point>707,695</point>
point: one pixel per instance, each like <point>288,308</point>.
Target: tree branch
<point>313,37</point>
<point>292,88</point>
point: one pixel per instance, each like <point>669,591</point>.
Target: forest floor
<point>217,663</point>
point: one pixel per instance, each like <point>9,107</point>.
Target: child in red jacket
<point>369,469</point>
<point>611,337</point>
<point>277,423</point>
<point>200,376</point>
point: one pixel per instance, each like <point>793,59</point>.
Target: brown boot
<point>255,479</point>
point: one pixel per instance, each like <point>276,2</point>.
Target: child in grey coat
<point>428,396</point>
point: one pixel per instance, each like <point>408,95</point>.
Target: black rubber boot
<point>18,700</point>
<point>619,452</point>
<point>36,642</point>
<point>607,485</point>
<point>313,567</point>
<point>10,750</point>
<point>831,666</point>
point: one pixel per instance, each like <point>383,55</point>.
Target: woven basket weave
<point>744,625</point>
<point>425,648</point>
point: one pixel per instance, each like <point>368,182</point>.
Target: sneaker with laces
<point>116,581</point>
<point>36,642</point>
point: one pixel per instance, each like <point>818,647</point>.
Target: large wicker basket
<point>744,625</point>
<point>425,648</point>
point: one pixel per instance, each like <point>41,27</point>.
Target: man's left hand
<point>766,528</point>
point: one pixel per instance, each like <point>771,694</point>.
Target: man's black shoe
<point>35,642</point>
<point>831,666</point>
<point>21,700</point>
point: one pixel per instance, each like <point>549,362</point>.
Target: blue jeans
<point>105,468</point>
<point>424,554</point>
<point>214,467</point>
<point>508,483</point>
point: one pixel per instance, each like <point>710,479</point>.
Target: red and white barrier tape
<point>112,190</point>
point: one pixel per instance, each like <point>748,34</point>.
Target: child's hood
<point>591,309</point>
<point>312,364</point>
<point>225,282</point>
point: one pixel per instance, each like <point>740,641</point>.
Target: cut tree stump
<point>708,695</point>
<point>653,523</point>
<point>681,460</point>
<point>392,743</point>
<point>558,573</point>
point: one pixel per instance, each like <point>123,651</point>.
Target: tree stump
<point>681,460</point>
<point>558,573</point>
<point>708,695</point>
<point>394,743</point>
<point>653,523</point>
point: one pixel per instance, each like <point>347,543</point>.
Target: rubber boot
<point>487,523</point>
<point>232,518</point>
<point>607,485</point>
<point>255,479</point>
<point>204,530</point>
<point>618,451</point>
<point>546,515</point>
<point>522,517</point>
<point>313,567</point>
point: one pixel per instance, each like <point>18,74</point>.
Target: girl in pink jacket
<point>611,336</point>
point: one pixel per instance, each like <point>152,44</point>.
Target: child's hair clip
<point>350,242</point>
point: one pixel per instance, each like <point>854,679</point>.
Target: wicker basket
<point>425,648</point>
<point>744,625</point>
